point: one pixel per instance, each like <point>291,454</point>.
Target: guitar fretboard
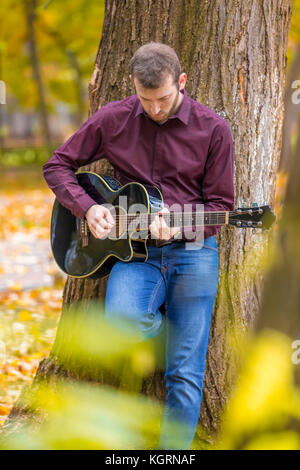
<point>176,219</point>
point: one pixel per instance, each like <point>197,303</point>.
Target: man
<point>159,136</point>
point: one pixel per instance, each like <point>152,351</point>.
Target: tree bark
<point>234,54</point>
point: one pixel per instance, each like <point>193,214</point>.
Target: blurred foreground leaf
<point>265,402</point>
<point>84,416</point>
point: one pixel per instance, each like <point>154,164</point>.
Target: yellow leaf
<point>4,410</point>
<point>24,315</point>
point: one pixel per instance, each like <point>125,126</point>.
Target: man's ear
<point>130,77</point>
<point>182,81</point>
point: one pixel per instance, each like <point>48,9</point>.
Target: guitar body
<point>97,258</point>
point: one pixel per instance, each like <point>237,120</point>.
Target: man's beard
<point>172,109</point>
<point>175,104</point>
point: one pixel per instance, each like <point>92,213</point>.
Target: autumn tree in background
<point>53,55</point>
<point>234,54</point>
<point>30,8</point>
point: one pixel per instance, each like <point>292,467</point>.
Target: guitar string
<point>177,217</point>
<point>173,219</point>
<point>174,214</point>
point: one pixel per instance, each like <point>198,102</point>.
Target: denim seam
<point>172,262</point>
<point>210,248</point>
<point>153,295</point>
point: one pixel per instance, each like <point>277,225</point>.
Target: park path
<point>26,261</point>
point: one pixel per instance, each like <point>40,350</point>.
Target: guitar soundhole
<point>119,229</point>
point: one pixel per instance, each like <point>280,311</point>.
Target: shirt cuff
<point>85,203</point>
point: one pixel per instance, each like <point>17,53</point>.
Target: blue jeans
<point>186,281</point>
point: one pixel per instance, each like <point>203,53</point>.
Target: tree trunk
<point>234,54</point>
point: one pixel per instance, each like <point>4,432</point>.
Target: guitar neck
<point>181,219</point>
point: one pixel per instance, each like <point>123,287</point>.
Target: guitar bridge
<point>84,233</point>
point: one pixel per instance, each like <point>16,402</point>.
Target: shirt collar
<point>183,113</point>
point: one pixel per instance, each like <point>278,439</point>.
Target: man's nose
<point>155,108</point>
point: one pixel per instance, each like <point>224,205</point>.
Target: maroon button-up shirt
<point>189,157</point>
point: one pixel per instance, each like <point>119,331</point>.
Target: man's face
<point>160,103</point>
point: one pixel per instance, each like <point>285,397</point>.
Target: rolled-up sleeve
<point>218,180</point>
<point>82,148</point>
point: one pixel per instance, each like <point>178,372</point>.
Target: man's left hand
<point>159,228</point>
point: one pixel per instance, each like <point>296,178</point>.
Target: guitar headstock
<point>252,217</point>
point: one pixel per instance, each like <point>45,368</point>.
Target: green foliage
<point>67,35</point>
<point>295,22</point>
<point>23,157</point>
<point>294,35</point>
<point>82,416</point>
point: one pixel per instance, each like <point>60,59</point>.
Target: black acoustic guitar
<point>79,254</point>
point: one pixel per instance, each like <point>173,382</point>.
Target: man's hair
<point>152,62</point>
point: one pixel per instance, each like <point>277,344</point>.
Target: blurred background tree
<point>47,54</point>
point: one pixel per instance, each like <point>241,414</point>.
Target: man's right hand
<point>100,220</point>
